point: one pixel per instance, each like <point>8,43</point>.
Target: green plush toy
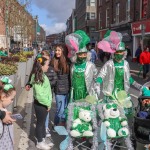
<point>116,126</point>
<point>81,126</point>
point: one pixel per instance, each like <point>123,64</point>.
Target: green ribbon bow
<point>7,87</point>
<point>39,56</point>
<point>5,80</point>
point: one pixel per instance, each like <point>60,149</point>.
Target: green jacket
<point>42,92</point>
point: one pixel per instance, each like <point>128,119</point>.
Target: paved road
<point>57,139</point>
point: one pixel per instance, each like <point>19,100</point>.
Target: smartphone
<point>16,116</point>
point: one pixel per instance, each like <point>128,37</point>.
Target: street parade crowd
<point>72,79</point>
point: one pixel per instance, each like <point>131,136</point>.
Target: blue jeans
<point>61,105</point>
<point>47,121</point>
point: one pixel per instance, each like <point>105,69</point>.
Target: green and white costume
<point>83,78</point>
<point>115,76</point>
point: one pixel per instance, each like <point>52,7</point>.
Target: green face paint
<point>81,60</point>
<point>118,57</point>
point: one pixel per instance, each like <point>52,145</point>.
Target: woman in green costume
<point>83,72</point>
<point>115,76</point>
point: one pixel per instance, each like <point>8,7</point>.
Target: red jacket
<point>145,57</point>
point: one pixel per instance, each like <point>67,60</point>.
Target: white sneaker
<point>49,143</point>
<point>48,132</point>
<point>42,145</point>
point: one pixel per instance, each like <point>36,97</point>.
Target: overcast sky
<point>52,13</point>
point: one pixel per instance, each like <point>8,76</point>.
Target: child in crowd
<point>51,74</point>
<point>42,99</point>
<point>7,94</point>
<point>61,66</point>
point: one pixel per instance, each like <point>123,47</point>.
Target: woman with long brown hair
<point>61,89</point>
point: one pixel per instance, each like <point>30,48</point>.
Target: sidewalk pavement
<point>23,129</point>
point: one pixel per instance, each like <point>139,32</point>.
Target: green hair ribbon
<point>39,56</point>
<point>7,87</point>
<point>5,80</point>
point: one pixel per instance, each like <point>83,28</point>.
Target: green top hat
<point>85,40</point>
<point>121,47</point>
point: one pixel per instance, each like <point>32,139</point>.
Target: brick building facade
<point>16,24</point>
<point>125,16</point>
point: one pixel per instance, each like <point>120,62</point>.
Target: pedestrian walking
<point>93,55</point>
<point>128,52</point>
<point>42,99</point>
<point>145,61</point>
<point>52,78</point>
<point>137,53</point>
<point>7,94</point>
<point>61,65</point>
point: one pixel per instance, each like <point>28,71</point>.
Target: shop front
<point>141,34</point>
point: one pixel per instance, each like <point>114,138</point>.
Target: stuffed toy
<point>116,125</point>
<point>81,126</point>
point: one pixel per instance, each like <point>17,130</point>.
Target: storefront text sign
<point>137,27</point>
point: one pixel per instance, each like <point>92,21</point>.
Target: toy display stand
<point>106,143</point>
<point>82,141</point>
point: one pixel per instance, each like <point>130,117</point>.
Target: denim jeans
<point>47,121</point>
<point>61,105</point>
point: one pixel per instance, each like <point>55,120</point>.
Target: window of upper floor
<point>100,20</point>
<point>117,12</point>
<point>100,2</point>
<point>92,2</point>
<point>87,2</point>
<point>88,16</point>
<point>92,15</point>
<point>127,10</point>
<point>107,18</point>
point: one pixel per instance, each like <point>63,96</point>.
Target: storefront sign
<point>137,27</point>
